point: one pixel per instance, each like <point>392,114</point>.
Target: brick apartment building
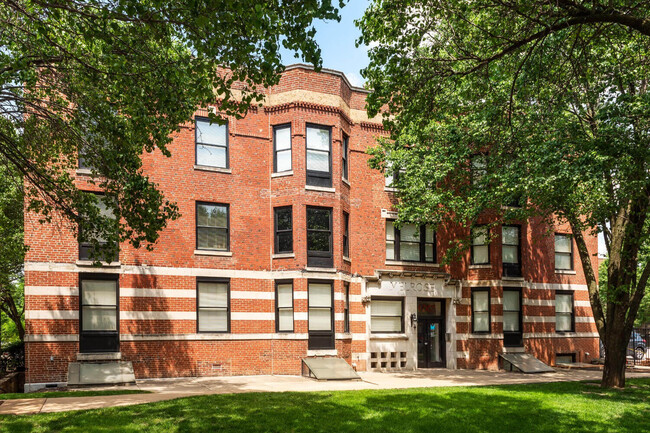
<point>285,250</point>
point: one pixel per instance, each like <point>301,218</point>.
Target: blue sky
<point>337,43</point>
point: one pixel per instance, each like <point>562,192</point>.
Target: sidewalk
<point>167,389</point>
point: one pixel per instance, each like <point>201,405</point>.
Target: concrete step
<point>100,373</point>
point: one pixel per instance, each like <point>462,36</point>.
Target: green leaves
<point>116,79</point>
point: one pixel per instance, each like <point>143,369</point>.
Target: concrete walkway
<point>167,389</point>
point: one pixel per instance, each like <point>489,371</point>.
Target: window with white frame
<point>211,143</point>
<point>282,148</point>
<point>386,315</point>
<point>319,155</point>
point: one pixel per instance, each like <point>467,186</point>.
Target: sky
<point>337,43</point>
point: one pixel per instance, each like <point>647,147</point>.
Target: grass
<point>55,394</point>
<point>569,407</point>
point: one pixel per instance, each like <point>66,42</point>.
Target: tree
<point>114,80</point>
<point>12,249</point>
<point>555,93</point>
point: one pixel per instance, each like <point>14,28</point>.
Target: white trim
<point>213,253</point>
<point>283,256</point>
<point>565,271</point>
<point>552,286</point>
<point>213,336</point>
<point>584,319</point>
<point>462,354</point>
<point>157,315</point>
<point>137,292</point>
<point>102,264</point>
<point>416,264</point>
<point>235,294</point>
<point>582,304</point>
<point>211,168</point>
<point>51,291</point>
<point>344,180</point>
<point>46,338</point>
<point>327,270</point>
<point>323,352</point>
<point>385,336</point>
<point>319,188</point>
<point>252,316</point>
<point>562,335</point>
<point>52,314</point>
<point>539,302</point>
<point>486,266</point>
<point>539,319</point>
<point>281,174</point>
<point>195,272</point>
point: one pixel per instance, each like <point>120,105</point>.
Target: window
<point>481,310</point>
<point>282,148</point>
<point>213,305</point>
<point>511,251</point>
<point>411,243</point>
<point>319,237</point>
<point>320,307</point>
<point>82,160</point>
<point>479,165</point>
<point>212,221</point>
<point>564,321</point>
<point>346,234</point>
<point>319,155</point>
<point>99,315</point>
<point>283,230</point>
<point>480,245</point>
<point>512,335</point>
<point>284,306</point>
<point>87,248</point>
<point>563,252</point>
<point>392,175</point>
<point>211,143</point>
<point>344,156</point>
<point>565,358</point>
<point>346,307</point>
<point>386,315</point>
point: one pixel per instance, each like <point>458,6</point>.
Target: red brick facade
<point>157,290</point>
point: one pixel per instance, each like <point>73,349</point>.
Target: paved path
<point>167,389</point>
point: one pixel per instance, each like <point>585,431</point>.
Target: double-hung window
<point>211,143</point>
<point>99,313</point>
<point>563,252</point>
<point>345,157</point>
<point>213,305</point>
<point>90,243</point>
<point>282,148</point>
<point>319,155</point>
<point>410,243</point>
<point>481,310</point>
<point>346,234</point>
<point>564,316</point>
<point>283,230</point>
<point>386,315</point>
<point>511,251</point>
<point>480,245</point>
<point>319,237</point>
<point>212,227</point>
<point>284,306</point>
<point>320,311</point>
<point>512,333</point>
<point>479,164</point>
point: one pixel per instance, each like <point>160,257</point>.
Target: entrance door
<point>98,313</point>
<point>431,333</point>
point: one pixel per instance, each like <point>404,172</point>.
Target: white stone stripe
<point>562,335</point>
<point>521,283</point>
<point>551,319</point>
<point>252,295</point>
<point>582,303</point>
<point>192,272</point>
<point>52,314</point>
<point>539,302</point>
<point>51,337</point>
<point>156,293</point>
<point>51,291</point>
<point>252,316</point>
<point>157,315</point>
<point>201,336</point>
<point>468,319</point>
<point>552,286</point>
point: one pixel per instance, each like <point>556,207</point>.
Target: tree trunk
<point>615,359</point>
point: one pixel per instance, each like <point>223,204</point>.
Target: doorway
<point>431,333</point>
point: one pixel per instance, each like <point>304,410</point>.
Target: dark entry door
<point>99,313</point>
<point>431,343</point>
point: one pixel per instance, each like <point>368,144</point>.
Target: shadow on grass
<point>519,408</point>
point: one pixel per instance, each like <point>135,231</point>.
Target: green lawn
<point>55,394</point>
<point>565,407</point>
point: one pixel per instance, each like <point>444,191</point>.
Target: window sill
<point>345,181</point>
<point>347,259</point>
<point>386,336</point>
<point>212,253</point>
<point>513,278</point>
<point>565,271</point>
<point>402,263</point>
<point>486,266</point>
<point>91,264</point>
<point>313,269</point>
<point>283,256</point>
<point>84,172</point>
<point>319,188</point>
<point>322,352</point>
<point>390,189</point>
<point>214,169</point>
<point>282,174</point>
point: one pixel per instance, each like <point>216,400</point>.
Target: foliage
<point>114,80</point>
<point>572,406</point>
<point>12,357</point>
<point>555,93</point>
